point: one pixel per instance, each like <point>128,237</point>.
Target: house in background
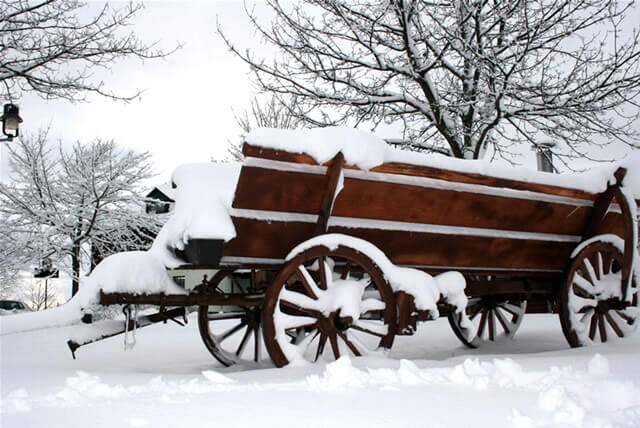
<point>160,199</point>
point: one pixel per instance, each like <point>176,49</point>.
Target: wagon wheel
<point>328,303</point>
<point>592,307</point>
<point>233,334</point>
<point>492,318</point>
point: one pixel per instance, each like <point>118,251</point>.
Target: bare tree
<point>41,295</point>
<point>53,47</point>
<point>459,75</point>
<point>271,111</point>
<point>62,202</point>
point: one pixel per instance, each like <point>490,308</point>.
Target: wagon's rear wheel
<point>327,303</point>
<point>592,307</point>
<point>492,318</point>
<point>233,334</point>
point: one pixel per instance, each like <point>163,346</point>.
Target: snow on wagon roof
<point>367,151</point>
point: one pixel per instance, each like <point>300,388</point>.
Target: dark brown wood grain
<point>268,189</point>
<point>276,239</point>
<point>428,172</point>
<point>266,239</point>
<point>271,190</point>
<point>326,206</point>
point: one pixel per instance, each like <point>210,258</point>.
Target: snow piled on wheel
<point>425,288</point>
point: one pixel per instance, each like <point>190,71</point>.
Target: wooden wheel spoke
<point>588,271</point>
<point>614,325</point>
<point>506,326</point>
<point>256,344</point>
<point>492,327</point>
<point>305,311</point>
<point>351,346</point>
<point>302,323</point>
<point>217,316</point>
<point>231,332</point>
<point>320,348</point>
<point>358,326</point>
<point>625,317</point>
<point>347,270</point>
<point>307,282</point>
<point>483,322</point>
<point>322,268</point>
<point>581,289</point>
<point>235,282</point>
<point>476,311</point>
<point>243,342</point>
<point>601,327</point>
<point>304,340</point>
<point>593,267</point>
<point>334,346</point>
<point>512,309</point>
<point>593,326</point>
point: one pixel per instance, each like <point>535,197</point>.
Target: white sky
<point>185,113</point>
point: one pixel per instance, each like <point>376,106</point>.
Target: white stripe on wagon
<point>231,260</point>
<point>362,223</point>
<point>430,183</point>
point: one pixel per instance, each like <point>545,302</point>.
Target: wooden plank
<point>427,249</point>
<point>268,189</point>
<point>275,239</point>
<point>326,207</point>
<point>266,239</point>
<point>428,172</point>
<point>397,202</point>
<point>470,178</point>
<point>272,190</point>
<point>601,206</point>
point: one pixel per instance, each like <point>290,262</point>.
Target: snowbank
<point>204,194</point>
<point>367,151</point>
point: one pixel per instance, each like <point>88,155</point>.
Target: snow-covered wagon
<point>328,242</point>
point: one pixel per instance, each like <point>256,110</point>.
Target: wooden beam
<point>334,173</point>
<point>602,204</point>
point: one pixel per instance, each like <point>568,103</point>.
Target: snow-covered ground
<point>429,379</point>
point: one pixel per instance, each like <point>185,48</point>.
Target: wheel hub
<point>614,304</point>
<point>334,323</point>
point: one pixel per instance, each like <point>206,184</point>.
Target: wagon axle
<point>612,304</point>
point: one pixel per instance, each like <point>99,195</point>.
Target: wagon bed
<point>514,241</point>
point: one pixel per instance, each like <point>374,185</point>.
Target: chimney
<point>544,156</point>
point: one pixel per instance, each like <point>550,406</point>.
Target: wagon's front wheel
<point>592,307</point>
<point>327,303</point>
<point>233,334</point>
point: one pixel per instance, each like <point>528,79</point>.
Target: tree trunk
<point>75,269</point>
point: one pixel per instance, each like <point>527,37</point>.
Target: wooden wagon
<point>521,246</point>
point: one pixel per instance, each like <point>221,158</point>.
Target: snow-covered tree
<point>61,202</point>
<point>459,75</point>
<point>53,47</point>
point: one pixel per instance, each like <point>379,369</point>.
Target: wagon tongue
<point>95,332</point>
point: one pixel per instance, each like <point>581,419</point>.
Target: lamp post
<point>10,121</point>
